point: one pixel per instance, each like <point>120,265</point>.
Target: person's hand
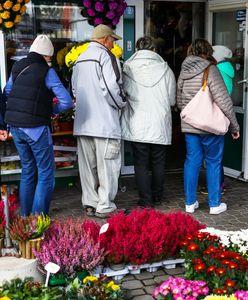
<point>235,135</point>
<point>3,135</point>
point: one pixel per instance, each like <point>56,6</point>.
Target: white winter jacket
<point>96,85</point>
<point>150,86</point>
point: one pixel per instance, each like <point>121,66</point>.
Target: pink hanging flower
<point>87,3</point>
<point>99,6</point>
<point>110,14</point>
<point>113,5</point>
<point>98,21</point>
<point>91,12</point>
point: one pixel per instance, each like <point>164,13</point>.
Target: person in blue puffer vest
<point>30,91</point>
<point>222,55</point>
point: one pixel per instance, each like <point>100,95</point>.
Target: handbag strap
<point>205,77</point>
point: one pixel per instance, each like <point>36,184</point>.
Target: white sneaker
<point>191,208</point>
<point>218,209</point>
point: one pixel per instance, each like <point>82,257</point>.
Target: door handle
<point>243,81</point>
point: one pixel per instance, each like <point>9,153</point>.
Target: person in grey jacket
<point>150,88</point>
<point>199,144</point>
<point>96,85</point>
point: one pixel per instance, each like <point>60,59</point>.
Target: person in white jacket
<point>96,85</point>
<point>149,85</point>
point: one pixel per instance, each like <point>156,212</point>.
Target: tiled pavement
<point>67,202</point>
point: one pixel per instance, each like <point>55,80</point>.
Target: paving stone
<point>150,289</point>
<point>144,297</point>
<point>144,275</point>
<point>128,277</point>
<point>148,282</point>
<point>138,292</point>
<point>160,279</point>
<point>132,285</point>
<point>176,271</point>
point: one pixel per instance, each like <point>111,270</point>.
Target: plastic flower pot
<point>56,280</point>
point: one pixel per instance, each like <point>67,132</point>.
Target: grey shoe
<point>108,214</point>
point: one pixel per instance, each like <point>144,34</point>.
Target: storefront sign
<point>240,15</point>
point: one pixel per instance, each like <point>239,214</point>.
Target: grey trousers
<point>99,162</point>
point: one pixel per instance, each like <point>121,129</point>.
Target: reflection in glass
<point>228,31</point>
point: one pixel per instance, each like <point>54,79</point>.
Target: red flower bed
<point>146,235</point>
<point>207,259</point>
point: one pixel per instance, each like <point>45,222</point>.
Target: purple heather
<point>99,6</point>
<point>110,14</point>
<point>87,3</point>
<point>91,12</point>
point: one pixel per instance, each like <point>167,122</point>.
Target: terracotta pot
<point>26,247</point>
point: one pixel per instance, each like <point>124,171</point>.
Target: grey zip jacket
<point>96,85</point>
<point>190,82</point>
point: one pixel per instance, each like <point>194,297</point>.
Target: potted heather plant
<point>146,236</point>
<point>207,259</point>
<point>73,246</point>
<point>28,232</point>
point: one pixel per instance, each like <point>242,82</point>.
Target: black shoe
<point>157,201</point>
<point>145,204</point>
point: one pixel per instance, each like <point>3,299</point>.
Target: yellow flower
<point>5,298</point>
<point>1,20</point>
<point>16,7</point>
<point>115,287</point>
<point>74,53</point>
<point>5,15</point>
<point>27,1</point>
<point>23,9</point>
<point>18,19</point>
<point>61,55</point>
<point>7,4</point>
<point>214,297</point>
<point>90,278</point>
<point>19,1</point>
<point>117,51</point>
<point>1,8</point>
<point>8,24</point>
<point>110,284</point>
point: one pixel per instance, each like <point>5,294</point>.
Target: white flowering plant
<point>234,240</point>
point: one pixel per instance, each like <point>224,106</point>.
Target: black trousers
<point>149,157</point>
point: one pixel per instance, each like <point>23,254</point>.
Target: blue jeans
<point>37,178</point>
<point>210,148</point>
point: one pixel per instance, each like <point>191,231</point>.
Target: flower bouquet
<point>69,244</point>
<point>178,288</point>
<point>106,12</point>
<point>11,12</point>
<point>207,259</point>
<point>76,50</point>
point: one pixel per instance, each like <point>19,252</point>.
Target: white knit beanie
<point>42,45</point>
<point>221,52</point>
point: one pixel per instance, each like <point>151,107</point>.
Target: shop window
<point>61,21</point>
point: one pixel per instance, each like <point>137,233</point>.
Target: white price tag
<point>104,228</point>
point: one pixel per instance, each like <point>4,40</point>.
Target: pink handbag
<point>203,113</point>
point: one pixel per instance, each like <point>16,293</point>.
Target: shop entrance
<point>173,24</point>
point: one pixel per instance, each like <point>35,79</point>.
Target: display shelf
<point>63,154</point>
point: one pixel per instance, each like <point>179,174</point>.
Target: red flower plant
<point>146,235</point>
<point>226,271</point>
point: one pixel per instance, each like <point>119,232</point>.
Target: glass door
<point>229,29</point>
